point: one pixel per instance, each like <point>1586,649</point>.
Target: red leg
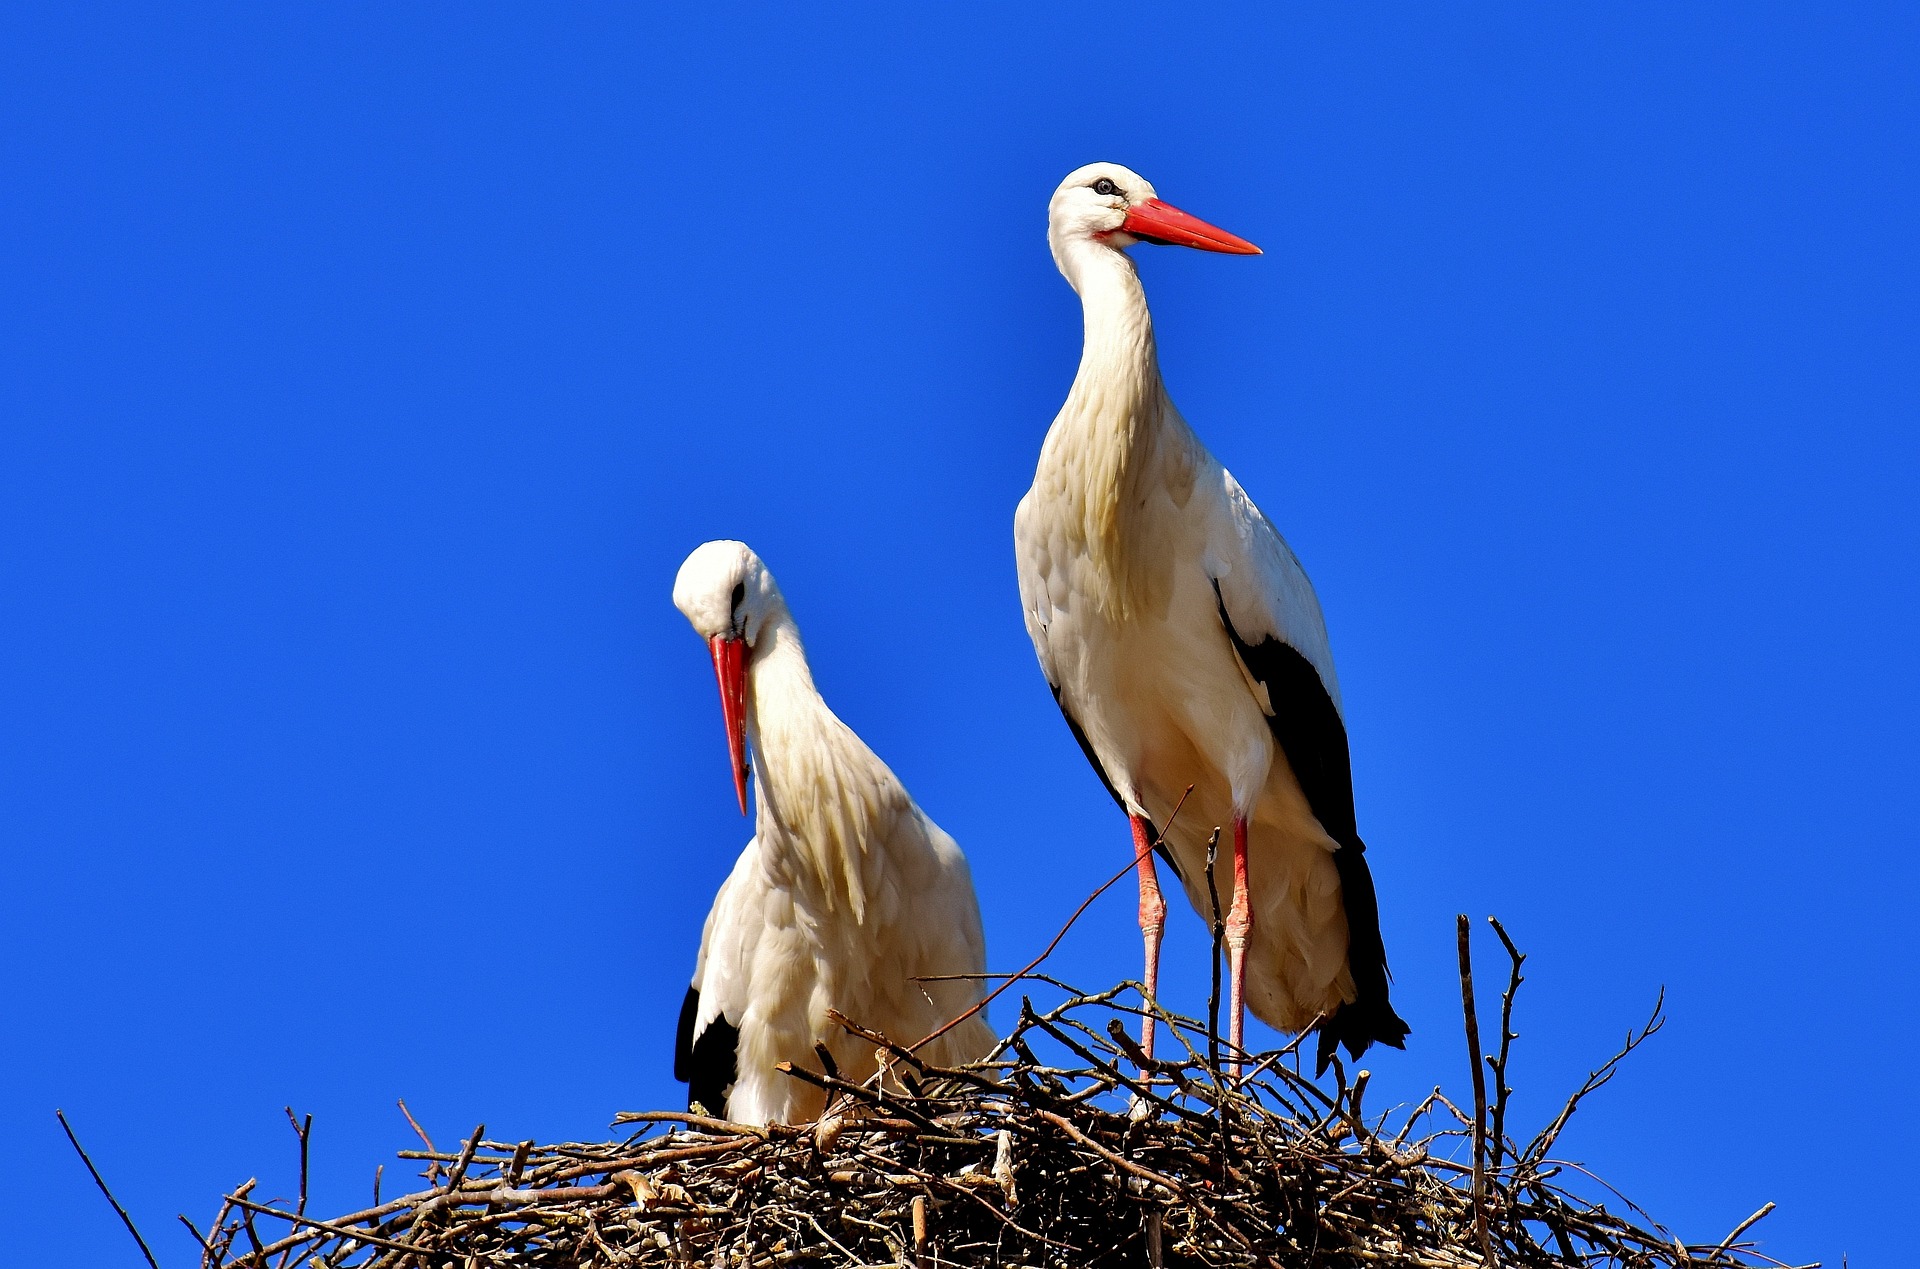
<point>1153,919</point>
<point>1239,925</point>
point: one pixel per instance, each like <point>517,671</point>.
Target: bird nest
<point>1067,1147</point>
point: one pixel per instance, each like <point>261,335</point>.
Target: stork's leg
<point>1153,920</point>
<point>1239,926</point>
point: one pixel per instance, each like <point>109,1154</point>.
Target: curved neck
<point>819,792</point>
<point>783,705</point>
<point>777,664</point>
<point>1119,376</point>
<point>1117,429</point>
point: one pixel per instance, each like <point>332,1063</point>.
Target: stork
<point>847,897</point>
<point>1185,646</point>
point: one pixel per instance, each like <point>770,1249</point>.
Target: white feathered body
<point>846,894</point>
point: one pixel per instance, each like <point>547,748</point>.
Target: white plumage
<point>1185,645</point>
<point>845,896</point>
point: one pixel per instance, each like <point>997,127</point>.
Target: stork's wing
<point>1036,563</point>
<point>706,1046</point>
<point>1262,587</point>
<point>1272,618</point>
<point>1033,564</point>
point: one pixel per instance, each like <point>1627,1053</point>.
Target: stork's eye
<point>1105,186</point>
<point>739,593</point>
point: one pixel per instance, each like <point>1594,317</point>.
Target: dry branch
<point>101,1181</point>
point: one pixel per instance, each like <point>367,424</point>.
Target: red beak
<point>1155,221</point>
<point>730,667</point>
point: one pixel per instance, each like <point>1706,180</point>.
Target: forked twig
<point>1502,1090</point>
<point>1537,1151</point>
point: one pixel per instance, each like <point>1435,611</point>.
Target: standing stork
<point>845,898</point>
<point>1185,646</point>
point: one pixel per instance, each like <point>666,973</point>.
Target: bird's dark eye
<point>1105,186</point>
<point>739,593</point>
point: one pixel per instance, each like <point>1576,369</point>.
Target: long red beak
<point>1156,221</point>
<point>730,667</point>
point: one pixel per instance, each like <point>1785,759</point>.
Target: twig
<point>1170,1185</point>
<point>1464,937</point>
<point>338,1231</point>
<point>414,1123</point>
<point>518,1164</point>
<point>1035,962</point>
<point>198,1237</point>
<point>459,1172</point>
<point>303,1131</point>
<point>705,1122</point>
<point>221,1234</point>
<point>1219,935</point>
<point>1537,1151</point>
<point>1501,1089</point>
<point>1726,1243</point>
<point>247,1209</point>
<point>102,1183</point>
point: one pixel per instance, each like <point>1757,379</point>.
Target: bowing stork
<point>846,896</point>
<point>1185,646</point>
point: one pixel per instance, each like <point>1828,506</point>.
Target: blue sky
<point>365,374</point>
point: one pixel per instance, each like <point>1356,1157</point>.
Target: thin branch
<point>1502,1090</point>
<point>413,1123</point>
<point>1595,1081</point>
<point>1035,962</point>
<point>198,1237</point>
<point>1219,935</point>
<point>1726,1243</point>
<point>102,1183</point>
<point>303,1131</point>
<point>459,1172</point>
<point>1464,937</point>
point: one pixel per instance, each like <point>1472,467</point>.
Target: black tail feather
<point>1369,1017</point>
<point>706,1063</point>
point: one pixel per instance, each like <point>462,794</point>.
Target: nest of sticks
<point>1066,1148</point>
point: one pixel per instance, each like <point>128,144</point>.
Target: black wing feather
<point>707,1063</point>
<point>1306,725</point>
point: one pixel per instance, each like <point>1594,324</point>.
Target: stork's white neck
<point>779,680</point>
<point>1117,425</point>
<point>1119,368</point>
<point>820,794</point>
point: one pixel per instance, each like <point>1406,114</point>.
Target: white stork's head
<point>1116,207</point>
<point>728,595</point>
